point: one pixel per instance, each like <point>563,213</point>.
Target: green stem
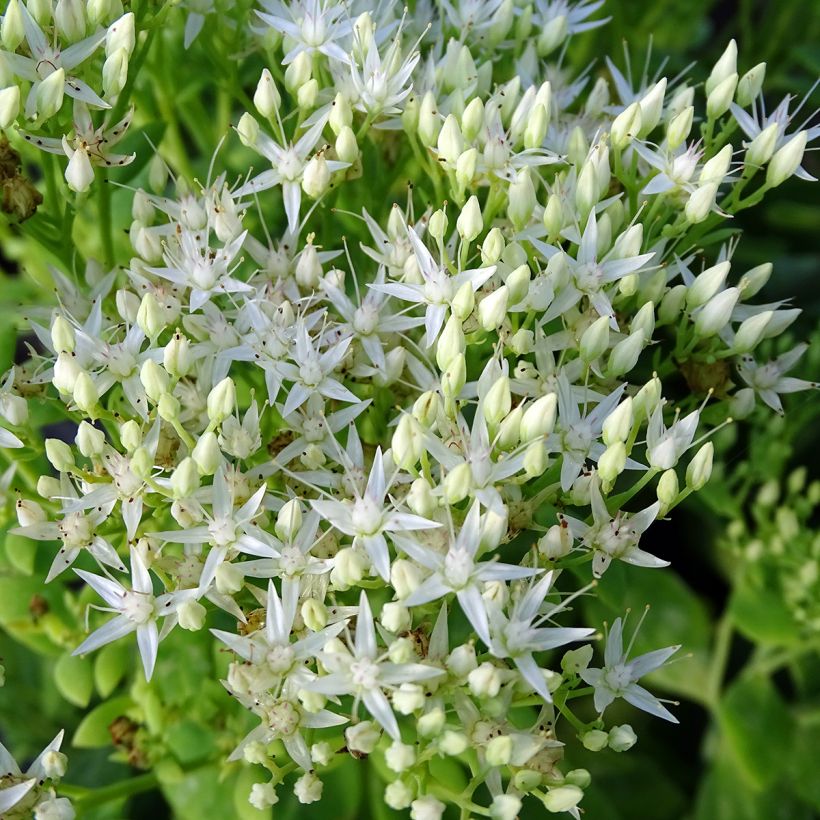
<point>106,231</point>
<point>720,657</point>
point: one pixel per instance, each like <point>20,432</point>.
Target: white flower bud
<point>786,160</point>
<point>595,740</point>
<point>552,35</point>
<point>121,34</point>
<point>463,302</point>
<point>454,378</point>
<point>298,72</point>
<point>221,400</point>
<point>469,223</point>
<point>263,796</point>
<point>626,126</point>
<point>427,808</point>
<point>672,304</point>
<point>395,618</point>
<point>69,19</point>
<point>289,520</point>
<point>761,149</point>
<point>408,698</point>
<point>651,105</point>
<point>536,128</point>
<point>498,401</point>
<point>457,484</point>
<point>206,453</point>
<point>716,313</point>
<point>612,462</point>
<point>398,795</point>
<point>321,753</point>
<point>431,723</point>
<point>12,29</point>
<point>9,105</point>
<point>743,402</point>
<point>626,353</point>
<point>248,130</point>
<point>185,478</point>
<point>66,371</point>
<point>595,339</point>
<point>586,190</point>
<point>680,127</point>
<point>314,614</point>
<point>229,578</point>
<point>59,455</point>
<point>101,11</point>
<point>699,470</point>
<point>347,149</point>
<point>62,335</point>
<point>85,393</point>
<point>266,98</point>
<point>78,173</point>
<point>341,114</point>
<point>362,737</point>
<point>453,743</point>
<point>115,72</point>
<point>720,98</point>
<point>647,398</point>
<point>518,283</point>
<point>751,332</point>
<point>462,660</point>
<point>420,499</point>
<point>191,615</point>
<point>618,424</point>
<point>499,750</point>
<point>562,798</point>
<point>316,176</point>
<point>700,203</point>
<point>717,167</point>
<point>150,316</point>
<point>349,566</point>
<point>308,788</point>
<point>450,142</point>
<point>553,216</point>
<point>492,309</point>
<point>429,123</point>
<point>723,68</point>
<point>668,488</point>
<point>622,738</point>
<point>522,200</point>
<point>750,85</point>
<point>451,342</point>
<point>47,487</point>
<point>90,440</point>
<point>399,756</point>
<point>539,418</point>
<point>154,379</point>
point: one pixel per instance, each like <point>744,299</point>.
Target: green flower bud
<point>59,455</point>
<point>221,400</point>
<point>699,470</point>
<point>786,160</point>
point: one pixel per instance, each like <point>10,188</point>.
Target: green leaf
<point>758,729</point>
<point>761,614</point>
<point>21,552</point>
<point>74,679</point>
<point>92,733</point>
<point>110,665</point>
<point>190,741</point>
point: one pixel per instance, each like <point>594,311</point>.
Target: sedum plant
<point>351,420</point>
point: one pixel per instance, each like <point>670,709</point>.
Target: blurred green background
<point>743,594</point>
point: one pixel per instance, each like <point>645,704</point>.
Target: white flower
<point>617,678</point>
<point>16,783</point>
<point>768,380</point>
<point>138,610</point>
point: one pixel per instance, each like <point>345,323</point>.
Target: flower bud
<point>668,489</point>
<point>289,520</point>
<point>85,393</point>
<point>191,615</point>
<point>362,737</point>
<point>750,85</point>
<point>505,807</point>
<point>716,313</point>
<point>266,98</point>
<point>349,566</point>
<point>754,280</point>
<point>150,316</point>
<point>485,680</point>
<point>499,750</point>
<point>522,200</point>
<point>535,459</point>
<point>121,34</point>
<point>347,149</point>
<point>168,407</point>
<point>405,577</point>
<point>586,190</point>
<point>66,371</point>
<point>651,107</point>
<point>78,173</point>
<point>90,440</point>
<point>59,455</point>
<point>9,105</point>
<point>724,67</point>
<point>595,339</point>
<point>552,35</point>
<point>536,128</point>
<point>298,72</point>
<point>185,478</point>
<point>466,167</point>
<point>314,614</point>
<point>672,304</point>
<point>618,424</point>
<point>316,176</point>
<point>715,169</point>
<point>454,377</point>
<point>562,798</point>
<point>247,130</point>
<point>450,142</point>
<point>457,484</point>
<point>553,216</point>
<point>69,19</point>
<point>62,335</point>
<point>786,160</point>
<point>720,98</point>
<point>626,126</point>
<point>761,149</point>
<point>700,203</point>
<point>407,444</point>
<point>626,353</point>
<point>595,740</point>
<point>492,309</point>
<point>49,94</point>
<point>498,401</point>
<point>221,400</point>
<point>395,618</point>
<point>12,28</point>
<point>647,398</point>
<point>229,578</point>
<point>115,72</point>
<point>154,379</point>
<point>751,332</point>
<point>622,738</point>
<point>539,418</point>
<point>679,128</point>
<point>469,223</point>
<point>699,470</point>
<point>206,453</point>
<point>429,123</point>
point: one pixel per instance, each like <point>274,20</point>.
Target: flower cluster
<point>394,466</point>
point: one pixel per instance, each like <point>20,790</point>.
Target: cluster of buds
<point>381,463</point>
